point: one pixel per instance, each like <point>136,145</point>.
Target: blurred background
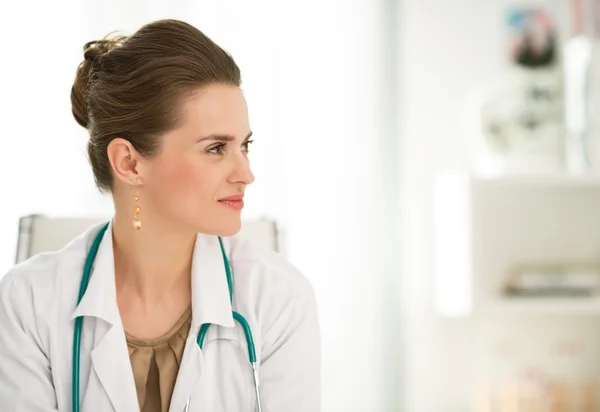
<point>433,167</point>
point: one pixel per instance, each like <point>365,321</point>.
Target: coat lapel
<point>210,304</point>
<point>210,292</point>
<point>190,372</point>
<point>110,361</point>
<point>109,355</point>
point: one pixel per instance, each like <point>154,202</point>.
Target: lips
<point>235,202</point>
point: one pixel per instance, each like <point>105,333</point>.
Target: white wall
<point>439,74</point>
<point>317,83</point>
<point>449,50</point>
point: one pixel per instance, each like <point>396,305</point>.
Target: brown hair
<point>130,87</point>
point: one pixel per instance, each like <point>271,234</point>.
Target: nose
<point>241,172</point>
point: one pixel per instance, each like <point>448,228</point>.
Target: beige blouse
<point>155,365</point>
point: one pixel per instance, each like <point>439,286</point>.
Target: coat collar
<point>210,292</point>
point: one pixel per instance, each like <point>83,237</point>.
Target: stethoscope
<point>87,270</point>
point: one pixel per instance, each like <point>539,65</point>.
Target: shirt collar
<point>210,292</point>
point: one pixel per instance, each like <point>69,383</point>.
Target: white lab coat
<point>38,306</point>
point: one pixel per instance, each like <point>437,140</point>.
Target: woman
<point>169,138</point>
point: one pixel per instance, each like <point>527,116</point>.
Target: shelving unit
<point>482,227</point>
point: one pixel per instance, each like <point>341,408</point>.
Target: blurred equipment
<point>578,56</point>
<point>39,233</point>
<point>520,117</point>
<point>554,280</point>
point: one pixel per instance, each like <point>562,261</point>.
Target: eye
<point>218,149</point>
<point>246,146</point>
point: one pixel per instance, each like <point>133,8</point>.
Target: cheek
<point>181,180</point>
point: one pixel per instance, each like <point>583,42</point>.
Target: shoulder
<point>280,301</point>
<point>266,286</point>
<point>267,268</point>
<point>44,278</point>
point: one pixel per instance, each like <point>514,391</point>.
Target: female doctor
<point>162,308</point>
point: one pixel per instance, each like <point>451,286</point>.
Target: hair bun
<point>93,49</point>
<point>92,53</point>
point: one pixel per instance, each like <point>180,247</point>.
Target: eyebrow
<point>222,138</point>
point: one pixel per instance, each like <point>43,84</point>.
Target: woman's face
<point>198,179</point>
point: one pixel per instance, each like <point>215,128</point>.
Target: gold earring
<point>137,223</point>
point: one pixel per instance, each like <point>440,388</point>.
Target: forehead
<point>216,109</point>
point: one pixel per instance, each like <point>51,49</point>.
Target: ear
<point>125,161</point>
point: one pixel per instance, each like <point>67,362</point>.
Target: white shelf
<point>556,306</point>
<point>556,180</point>
<point>484,228</point>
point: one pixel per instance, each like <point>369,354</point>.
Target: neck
<point>152,263</point>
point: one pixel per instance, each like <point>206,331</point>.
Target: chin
<point>223,228</point>
<point>229,231</point>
